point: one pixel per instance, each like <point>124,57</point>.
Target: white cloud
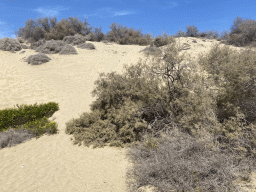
<point>50,11</point>
<point>120,13</point>
<point>170,4</point>
<point>108,12</point>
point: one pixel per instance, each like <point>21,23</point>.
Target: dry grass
<point>12,137</point>
<point>178,162</point>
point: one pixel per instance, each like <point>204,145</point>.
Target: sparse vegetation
<point>185,131</point>
<point>156,99</point>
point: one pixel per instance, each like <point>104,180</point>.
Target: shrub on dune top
<point>125,36</point>
<point>74,40</point>
<point>51,47</point>
<point>8,44</point>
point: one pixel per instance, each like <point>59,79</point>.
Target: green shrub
<point>40,126</point>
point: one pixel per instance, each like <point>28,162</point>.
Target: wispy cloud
<point>109,12</point>
<point>2,22</point>
<point>169,4</point>
<point>120,13</point>
<point>50,11</point>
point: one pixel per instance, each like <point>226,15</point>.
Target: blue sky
<point>151,16</point>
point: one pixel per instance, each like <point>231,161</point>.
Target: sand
<point>53,163</point>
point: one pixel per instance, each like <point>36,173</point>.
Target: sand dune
<point>53,163</point>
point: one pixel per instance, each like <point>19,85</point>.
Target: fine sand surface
<point>53,163</point>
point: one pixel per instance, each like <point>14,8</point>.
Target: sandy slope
<point>53,163</point>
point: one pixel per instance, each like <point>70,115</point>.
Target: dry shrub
<point>243,32</point>
<point>12,137</point>
<point>192,31</point>
<point>178,162</point>
<point>74,40</point>
<point>38,59</point>
<point>86,46</point>
<point>125,36</point>
<point>163,40</point>
<point>37,44</point>
<point>24,47</point>
<point>8,44</point>
<point>51,47</point>
<point>49,29</point>
<point>208,34</point>
<point>180,33</point>
<point>20,39</point>
<point>89,37</point>
<point>67,50</point>
<point>97,35</point>
<point>152,50</point>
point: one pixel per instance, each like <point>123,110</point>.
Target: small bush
<point>86,46</point>
<point>37,44</point>
<point>24,47</point>
<point>163,40</point>
<point>74,40</point>
<point>38,59</point>
<point>67,50</point>
<point>40,127</point>
<point>97,35</point>
<point>125,36</point>
<point>191,31</point>
<point>7,44</point>
<point>51,47</point>
<point>12,137</point>
<point>180,33</point>
<point>20,39</point>
<point>208,34</point>
<point>152,50</point>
